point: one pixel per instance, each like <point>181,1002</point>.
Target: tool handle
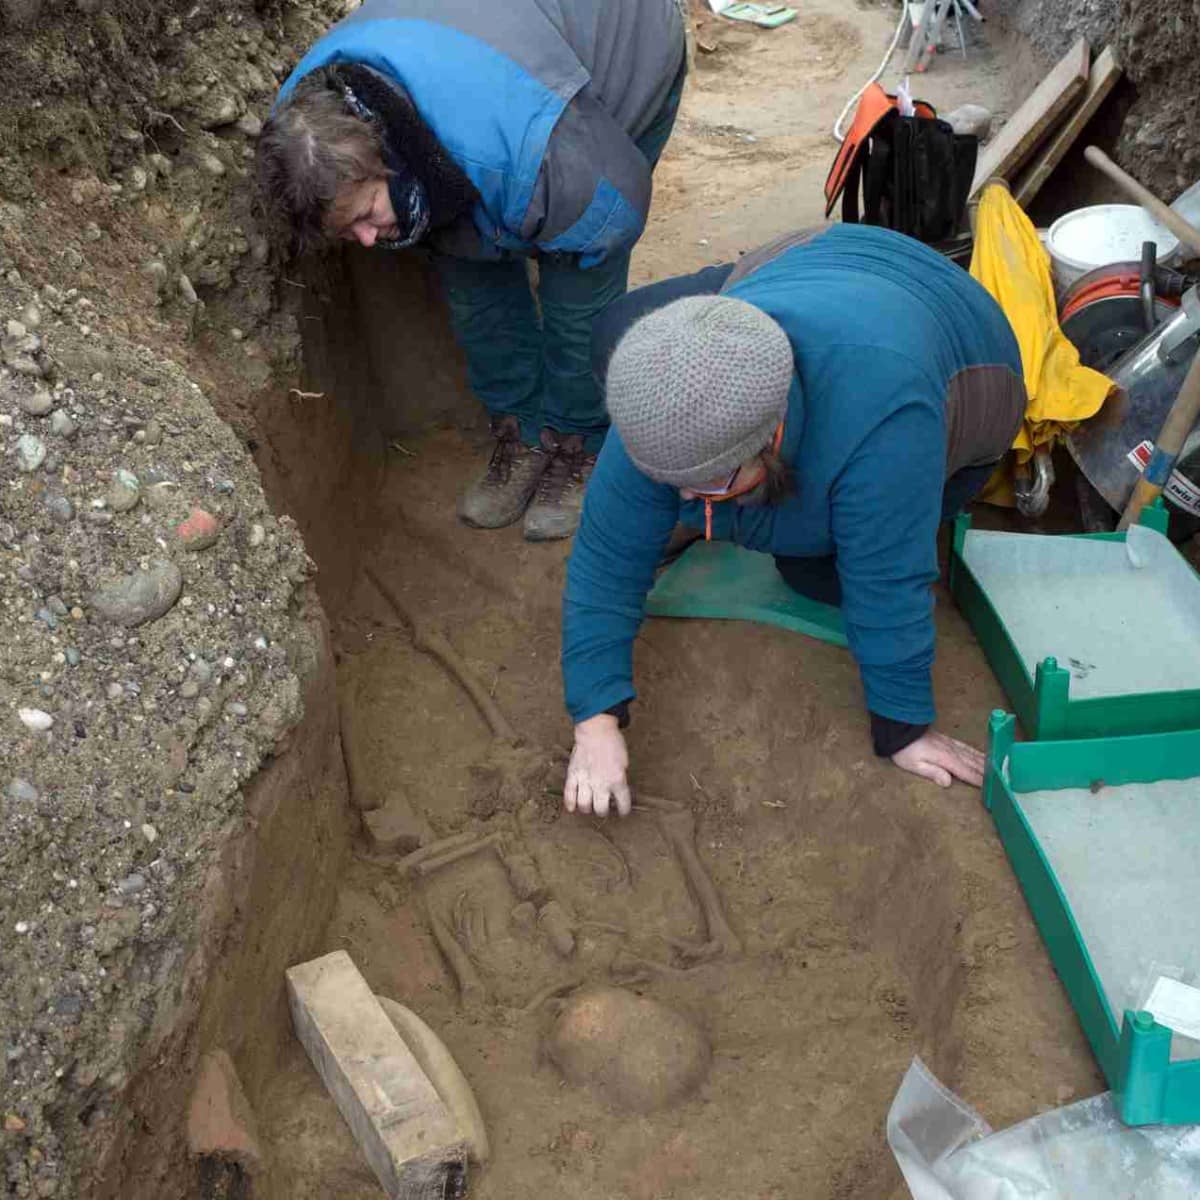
<point>1163,213</point>
<point>1180,420</point>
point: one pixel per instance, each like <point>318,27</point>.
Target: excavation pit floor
<point>878,914</point>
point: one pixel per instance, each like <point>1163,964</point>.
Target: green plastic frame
<point>1147,1087</point>
<point>1043,704</point>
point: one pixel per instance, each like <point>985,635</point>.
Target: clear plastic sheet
<point>1082,1152</point>
<point>1120,616</point>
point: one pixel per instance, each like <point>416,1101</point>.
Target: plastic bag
<point>947,1152</point>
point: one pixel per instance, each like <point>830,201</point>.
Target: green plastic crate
<point>1043,703</point>
<point>1136,1055</point>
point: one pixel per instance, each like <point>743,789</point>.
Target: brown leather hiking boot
<point>555,510</point>
<point>501,494</point>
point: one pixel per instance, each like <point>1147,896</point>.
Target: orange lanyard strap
<point>776,442</point>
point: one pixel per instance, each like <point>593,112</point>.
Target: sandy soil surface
<point>879,916</point>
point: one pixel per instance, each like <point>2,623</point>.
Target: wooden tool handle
<point>1163,213</point>
<point>1180,420</point>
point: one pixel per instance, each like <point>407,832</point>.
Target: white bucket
<point>1081,241</point>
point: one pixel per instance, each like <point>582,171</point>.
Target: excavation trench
<point>878,917</point>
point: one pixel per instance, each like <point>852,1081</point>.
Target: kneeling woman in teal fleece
<point>828,401</point>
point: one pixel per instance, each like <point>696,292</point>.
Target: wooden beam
<point>406,1133</point>
<point>1104,75</point>
<point>1028,126</point>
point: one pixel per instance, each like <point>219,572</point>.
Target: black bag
<point>915,175</point>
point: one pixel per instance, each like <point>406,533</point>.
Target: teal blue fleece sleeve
<point>626,524</point>
<point>885,508</point>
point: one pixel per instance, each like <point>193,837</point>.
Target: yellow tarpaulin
<point>1011,262</point>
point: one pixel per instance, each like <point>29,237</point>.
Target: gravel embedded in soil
<point>143,677</point>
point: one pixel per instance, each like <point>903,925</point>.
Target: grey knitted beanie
<point>697,387</point>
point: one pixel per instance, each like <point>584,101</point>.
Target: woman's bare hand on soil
<point>940,758</point>
<point>596,774</point>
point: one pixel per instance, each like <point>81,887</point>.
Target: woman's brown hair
<point>311,147</point>
<point>779,481</point>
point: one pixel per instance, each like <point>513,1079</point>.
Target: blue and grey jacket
<point>539,103</point>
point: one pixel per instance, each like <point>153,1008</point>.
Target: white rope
<point>837,125</point>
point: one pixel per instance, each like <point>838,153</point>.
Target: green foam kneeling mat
<point>721,581</point>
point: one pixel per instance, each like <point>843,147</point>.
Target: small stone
<point>137,178</point>
<point>21,927</point>
<point>55,605</point>
<point>249,126</point>
<point>31,452</point>
<point>218,110</point>
<point>31,316</point>
<point>199,531</point>
<point>35,719</point>
<point>69,1006</point>
<point>14,329</point>
<point>37,405</point>
<point>60,508</point>
<point>187,291</point>
<point>212,165</point>
<point>140,596</point>
<point>224,486</point>
<point>970,120</point>
<point>161,164</point>
<point>153,432</point>
<point>46,617</point>
<point>91,232</point>
<point>124,492</point>
<point>235,708</point>
<point>150,834</point>
<point>76,613</point>
<point>131,884</point>
<point>13,1123</point>
<point>189,689</point>
<point>236,334</point>
<point>73,656</point>
<point>114,691</point>
<point>257,535</point>
<point>61,424</point>
<point>160,495</point>
<point>156,270</point>
<point>202,671</point>
<point>21,791</point>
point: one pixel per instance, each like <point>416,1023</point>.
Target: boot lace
<point>501,463</point>
<point>566,468</point>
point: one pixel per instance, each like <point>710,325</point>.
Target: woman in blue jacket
<point>828,401</point>
<point>493,133</point>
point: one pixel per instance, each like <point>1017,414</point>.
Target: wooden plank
<point>407,1134</point>
<point>1104,75</point>
<point>1026,128</point>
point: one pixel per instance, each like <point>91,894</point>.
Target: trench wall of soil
<point>379,364</point>
<point>1150,122</point>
